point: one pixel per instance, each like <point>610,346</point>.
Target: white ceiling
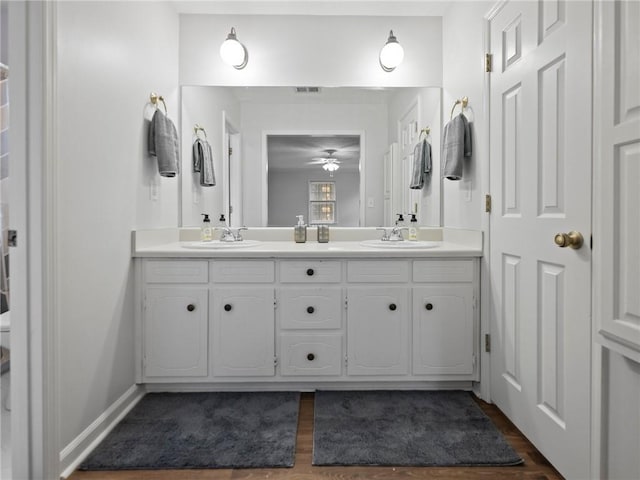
<point>295,152</point>
<point>389,8</point>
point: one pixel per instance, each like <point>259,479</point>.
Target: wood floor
<point>535,465</point>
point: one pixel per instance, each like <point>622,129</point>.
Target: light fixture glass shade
<point>330,166</point>
<point>233,52</point>
<point>391,54</point>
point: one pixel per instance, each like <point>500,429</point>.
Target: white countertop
<point>278,243</point>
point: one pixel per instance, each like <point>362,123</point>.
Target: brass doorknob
<point>572,239</point>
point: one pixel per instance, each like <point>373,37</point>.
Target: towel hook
<point>463,102</point>
<point>197,128</point>
<point>155,98</point>
<point>426,131</point>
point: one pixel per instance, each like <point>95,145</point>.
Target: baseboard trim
<point>79,448</point>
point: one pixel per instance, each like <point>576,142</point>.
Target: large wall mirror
<point>341,156</point>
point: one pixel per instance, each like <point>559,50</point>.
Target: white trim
<point>80,447</point>
<point>311,386</point>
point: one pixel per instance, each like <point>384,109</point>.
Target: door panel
<point>540,164</point>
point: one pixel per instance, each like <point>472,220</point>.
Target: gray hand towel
<point>456,145</point>
<point>421,164</point>
<point>164,144</point>
<point>203,162</point>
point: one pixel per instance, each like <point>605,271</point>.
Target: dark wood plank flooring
<point>535,467</point>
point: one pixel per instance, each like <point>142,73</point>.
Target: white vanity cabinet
<point>443,317</point>
<point>310,318</point>
<point>175,319</point>
<point>242,318</point>
<point>378,317</point>
<point>339,322</point>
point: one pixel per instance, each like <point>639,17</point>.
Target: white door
<point>378,330</point>
<point>443,330</point>
<point>243,332</point>
<point>175,332</point>
<point>540,164</point>
<point>408,133</point>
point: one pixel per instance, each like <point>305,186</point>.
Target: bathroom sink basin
<point>399,244</point>
<point>218,245</point>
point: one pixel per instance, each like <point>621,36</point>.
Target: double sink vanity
<point>268,313</point>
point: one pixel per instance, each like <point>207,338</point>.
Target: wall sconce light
<point>391,54</point>
<point>233,52</point>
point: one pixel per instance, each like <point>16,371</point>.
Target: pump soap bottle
<point>413,231</point>
<point>206,232</point>
<point>300,230</point>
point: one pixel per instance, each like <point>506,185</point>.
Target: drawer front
<point>378,271</point>
<point>312,271</point>
<point>308,308</point>
<point>176,271</point>
<point>242,271</point>
<point>440,271</point>
<point>311,354</point>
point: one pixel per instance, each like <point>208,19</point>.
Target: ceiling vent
<point>307,89</point>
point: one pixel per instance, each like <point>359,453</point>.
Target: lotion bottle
<point>413,230</point>
<point>206,232</point>
<point>300,230</point>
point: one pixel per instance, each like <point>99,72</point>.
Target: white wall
<point>463,75</point>
<point>289,196</point>
<point>310,50</point>
<point>204,106</point>
<point>306,118</point>
<point>110,56</point>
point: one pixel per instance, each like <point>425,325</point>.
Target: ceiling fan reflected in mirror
<point>329,163</point>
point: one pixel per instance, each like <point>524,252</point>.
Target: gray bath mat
<point>410,428</point>
<point>202,430</point>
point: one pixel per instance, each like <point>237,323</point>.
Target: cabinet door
<point>443,329</point>
<point>243,331</point>
<point>377,330</point>
<point>175,332</point>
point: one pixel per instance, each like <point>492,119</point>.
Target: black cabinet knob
<point>311,357</point>
<point>191,307</point>
<point>310,309</point>
<point>392,307</point>
<point>310,271</point>
<point>429,306</point>
<point>227,307</point>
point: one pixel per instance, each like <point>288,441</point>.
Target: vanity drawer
<point>310,308</point>
<point>176,271</point>
<point>311,271</point>
<point>377,271</point>
<point>439,271</point>
<point>311,354</point>
<point>242,271</point>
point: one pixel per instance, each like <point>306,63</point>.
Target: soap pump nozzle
<point>300,230</point>
<point>300,220</point>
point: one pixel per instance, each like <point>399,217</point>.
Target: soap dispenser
<point>206,232</point>
<point>413,230</point>
<point>300,230</point>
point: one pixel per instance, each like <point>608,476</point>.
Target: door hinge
<point>275,361</point>
<point>275,303</point>
<point>487,343</point>
<point>488,62</point>
<point>346,361</point>
<point>487,203</point>
<point>12,238</point>
<point>230,151</point>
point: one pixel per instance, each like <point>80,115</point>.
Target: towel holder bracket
<point>155,98</point>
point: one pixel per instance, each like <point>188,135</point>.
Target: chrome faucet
<point>393,234</point>
<point>231,234</point>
